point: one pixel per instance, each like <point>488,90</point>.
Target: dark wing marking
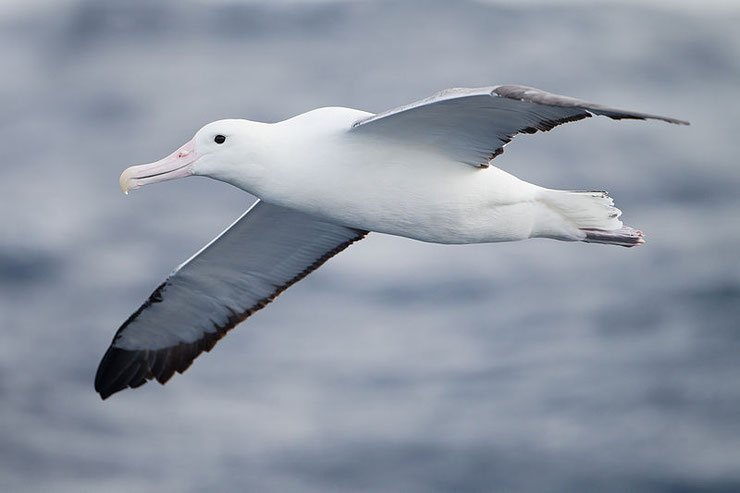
<point>262,254</point>
<point>473,125</point>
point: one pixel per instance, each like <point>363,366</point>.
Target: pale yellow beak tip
<point>125,181</point>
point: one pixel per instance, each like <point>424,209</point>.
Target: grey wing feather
<point>264,252</point>
<point>472,125</point>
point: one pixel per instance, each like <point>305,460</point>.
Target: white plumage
<point>327,177</point>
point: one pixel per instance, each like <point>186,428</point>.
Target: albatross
<point>325,179</point>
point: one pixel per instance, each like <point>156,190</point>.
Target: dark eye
<point>219,139</point>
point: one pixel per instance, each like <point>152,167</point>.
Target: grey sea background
<point>399,366</point>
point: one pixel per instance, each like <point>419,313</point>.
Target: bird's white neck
<point>273,161</point>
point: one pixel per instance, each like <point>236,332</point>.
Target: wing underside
<point>258,257</point>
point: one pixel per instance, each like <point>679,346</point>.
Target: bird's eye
<point>219,139</point>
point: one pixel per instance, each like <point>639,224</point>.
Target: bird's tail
<point>584,216</point>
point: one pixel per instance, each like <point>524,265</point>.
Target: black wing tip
<point>115,363</point>
<point>638,116</point>
<point>122,368</point>
<point>526,93</point>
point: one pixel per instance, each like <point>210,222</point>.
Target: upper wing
<point>473,125</point>
<point>258,257</point>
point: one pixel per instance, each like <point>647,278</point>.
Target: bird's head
<point>219,150</point>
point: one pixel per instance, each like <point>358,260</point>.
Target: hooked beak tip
<point>126,181</point>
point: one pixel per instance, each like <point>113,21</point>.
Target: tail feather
<point>588,216</point>
<point>624,236</point>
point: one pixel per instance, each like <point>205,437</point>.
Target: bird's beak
<point>176,165</point>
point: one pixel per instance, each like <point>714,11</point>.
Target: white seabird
<point>325,179</point>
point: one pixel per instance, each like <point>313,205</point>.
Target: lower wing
<point>268,249</point>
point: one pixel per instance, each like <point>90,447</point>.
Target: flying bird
<point>325,179</point>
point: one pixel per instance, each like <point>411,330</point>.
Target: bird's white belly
<point>390,189</point>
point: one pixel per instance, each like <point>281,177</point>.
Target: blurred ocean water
<point>399,366</point>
